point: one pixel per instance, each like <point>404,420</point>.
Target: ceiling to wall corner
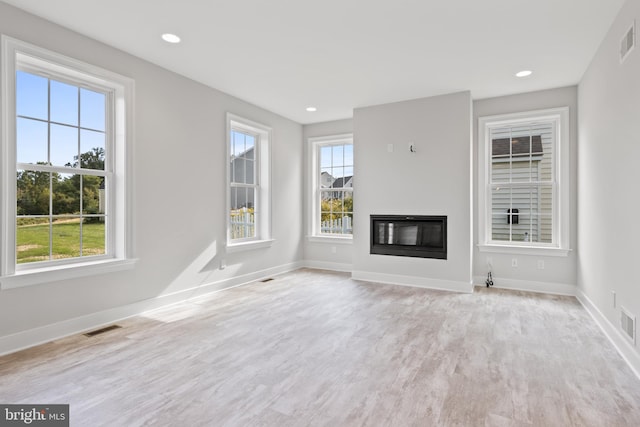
<point>336,55</point>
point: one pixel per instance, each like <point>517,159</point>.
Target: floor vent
<point>628,324</point>
<point>266,280</point>
<point>102,330</point>
<point>628,42</point>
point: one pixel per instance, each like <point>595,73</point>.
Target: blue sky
<point>72,122</point>
<point>337,160</point>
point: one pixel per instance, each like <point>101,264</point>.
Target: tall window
<point>62,176</point>
<point>248,189</point>
<point>65,121</point>
<point>524,173</point>
<point>333,186</point>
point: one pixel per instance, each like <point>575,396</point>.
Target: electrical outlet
<point>489,263</point>
<point>390,148</point>
<point>223,264</point>
<point>333,249</point>
<point>514,262</point>
<point>540,264</point>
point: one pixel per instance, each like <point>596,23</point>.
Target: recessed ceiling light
<point>524,73</point>
<point>170,38</point>
<point>311,109</point>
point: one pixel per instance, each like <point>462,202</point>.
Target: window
<point>64,163</point>
<point>332,211</point>
<point>523,166</point>
<point>249,180</point>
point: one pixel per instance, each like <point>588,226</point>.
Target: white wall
<point>559,273</point>
<point>608,177</point>
<point>180,195</point>
<point>321,254</point>
<point>436,180</point>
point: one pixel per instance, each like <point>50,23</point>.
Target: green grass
<point>33,241</point>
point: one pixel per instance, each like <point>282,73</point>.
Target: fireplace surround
<point>422,236</point>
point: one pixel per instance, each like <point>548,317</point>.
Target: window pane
<point>251,198</point>
<point>326,178</point>
<point>32,240</point>
<point>64,145</point>
<point>92,109</point>
<point>500,228</point>
<point>242,213</point>
<point>338,155</point>
<point>64,103</point>
<point>94,236</point>
<point>92,149</point>
<point>66,194</point>
<point>239,166</point>
<point>32,141</point>
<point>250,166</point>
<point>325,156</point>
<point>65,238</point>
<point>233,197</point>
<point>237,143</point>
<point>32,193</point>
<point>250,142</point>
<point>348,155</point>
<point>92,194</point>
<point>31,95</point>
<point>502,213</point>
<point>548,137</point>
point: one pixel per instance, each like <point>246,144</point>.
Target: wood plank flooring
<point>314,348</point>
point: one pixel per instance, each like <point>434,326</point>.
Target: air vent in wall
<point>102,330</point>
<point>628,42</point>
<point>628,324</point>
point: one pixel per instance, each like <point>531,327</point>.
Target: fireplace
<point>409,235</point>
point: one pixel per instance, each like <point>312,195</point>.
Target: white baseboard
<point>621,344</point>
<point>332,266</point>
<point>418,282</point>
<point>528,285</point>
<point>32,337</point>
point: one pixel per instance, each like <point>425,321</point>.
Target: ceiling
<point>337,55</point>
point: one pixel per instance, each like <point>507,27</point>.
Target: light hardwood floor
<point>314,348</point>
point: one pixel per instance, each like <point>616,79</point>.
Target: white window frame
<point>314,144</point>
<point>560,213</point>
<point>262,209</point>
<point>18,55</point>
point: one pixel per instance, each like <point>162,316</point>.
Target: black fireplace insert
<point>422,236</point>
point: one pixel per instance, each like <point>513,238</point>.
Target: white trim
<point>561,165</point>
<point>32,337</point>
<point>528,286</point>
<point>262,208</point>
<point>326,265</point>
<point>619,342</point>
<point>525,250</point>
<point>65,272</point>
<point>118,164</point>
<point>249,245</point>
<point>313,166</point>
<point>418,282</point>
<point>339,240</point>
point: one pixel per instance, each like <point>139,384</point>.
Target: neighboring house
<point>524,208</point>
<point>326,180</point>
<point>343,182</point>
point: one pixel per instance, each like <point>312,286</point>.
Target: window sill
<point>64,272</point>
<point>331,239</point>
<point>248,246</point>
<point>525,250</point>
